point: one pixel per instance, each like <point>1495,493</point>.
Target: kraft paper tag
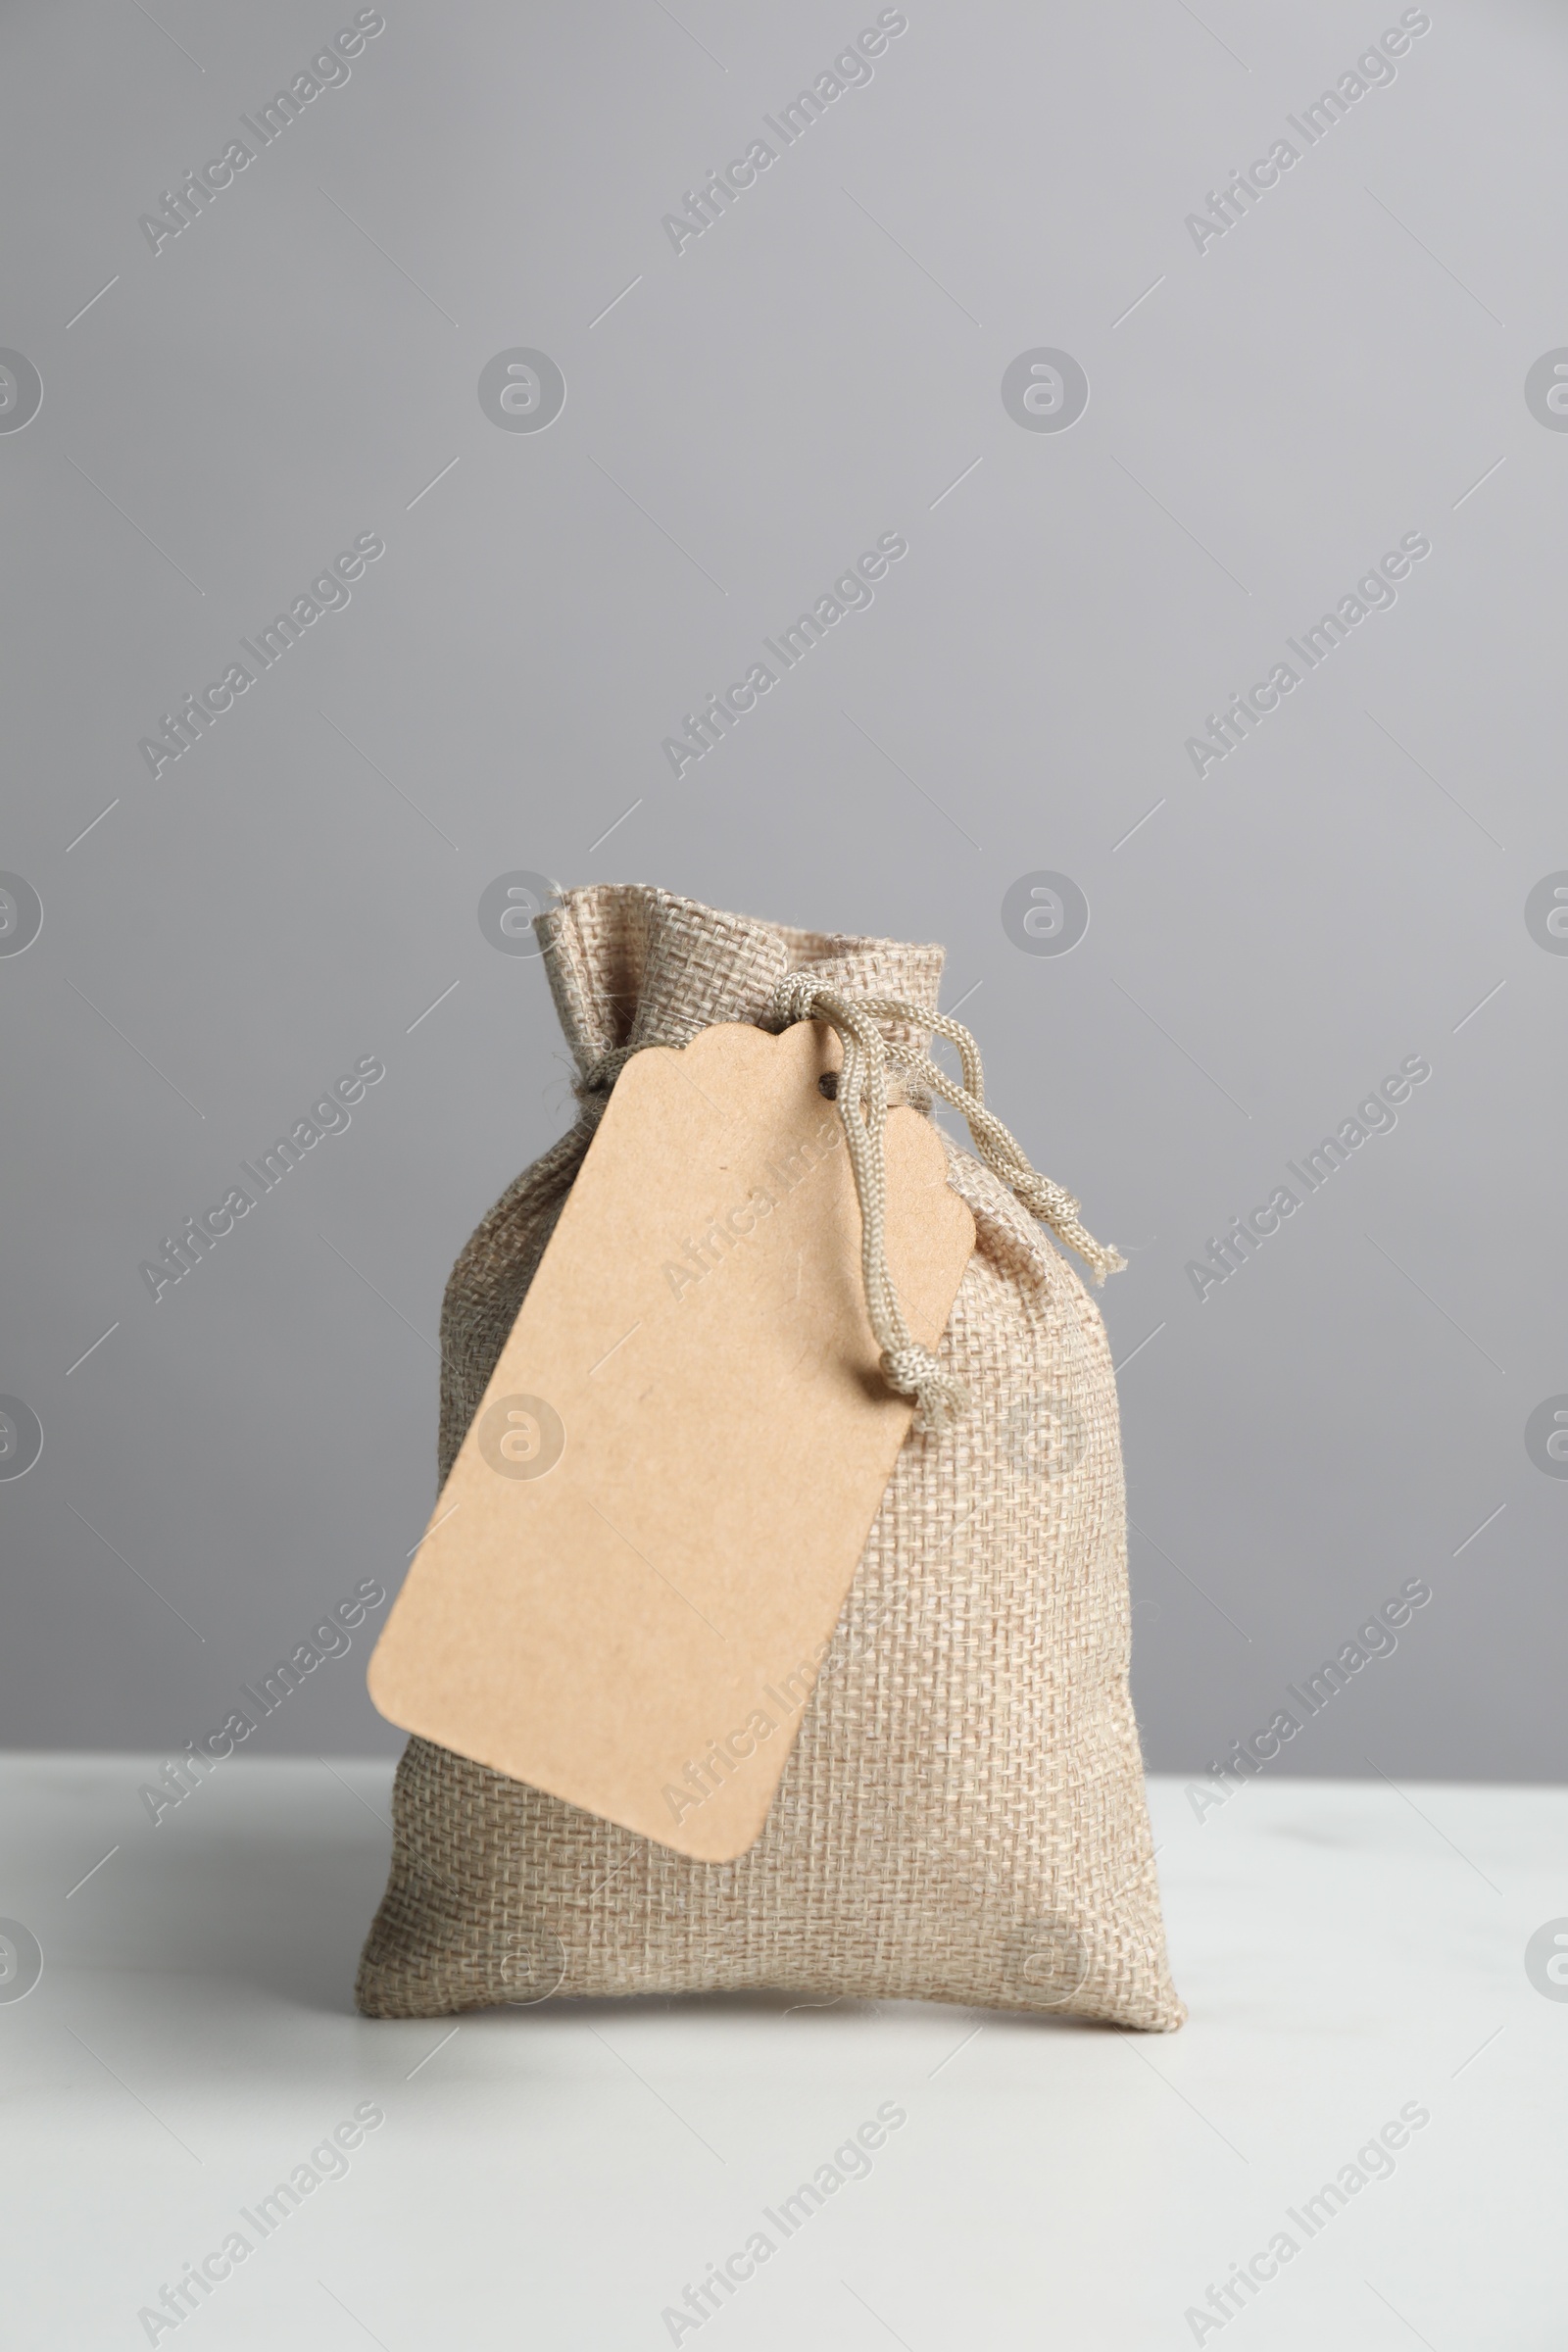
<point>636,1566</point>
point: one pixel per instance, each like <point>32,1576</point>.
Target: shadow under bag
<point>963,1814</point>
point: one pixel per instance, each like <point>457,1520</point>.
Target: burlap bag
<point>962,1816</point>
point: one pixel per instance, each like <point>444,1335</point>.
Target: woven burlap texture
<point>962,1817</point>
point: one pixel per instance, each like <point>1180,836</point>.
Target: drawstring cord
<point>862,1099</point>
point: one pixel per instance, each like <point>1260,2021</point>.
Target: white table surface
<point>555,2178</point>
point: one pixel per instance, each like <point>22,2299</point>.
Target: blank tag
<point>637,1564</point>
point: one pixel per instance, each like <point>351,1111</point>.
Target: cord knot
<point>914,1371</point>
<point>793,998</point>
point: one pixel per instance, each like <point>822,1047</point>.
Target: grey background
<point>1343,367</point>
